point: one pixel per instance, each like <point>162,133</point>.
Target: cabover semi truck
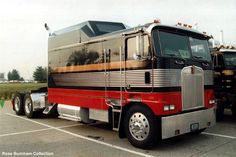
<point>224,62</point>
<point>149,82</point>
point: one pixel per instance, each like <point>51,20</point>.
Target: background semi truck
<point>224,62</point>
<point>149,82</point>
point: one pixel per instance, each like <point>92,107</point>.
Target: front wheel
<point>233,109</point>
<point>141,127</point>
<point>220,112</point>
<point>198,131</point>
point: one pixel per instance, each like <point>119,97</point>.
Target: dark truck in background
<point>224,62</point>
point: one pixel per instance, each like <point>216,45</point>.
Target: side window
<point>131,48</point>
<point>146,50</point>
<point>214,58</point>
<point>134,45</point>
<point>218,61</point>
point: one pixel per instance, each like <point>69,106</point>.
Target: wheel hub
<point>139,126</point>
<point>17,103</point>
<point>27,106</point>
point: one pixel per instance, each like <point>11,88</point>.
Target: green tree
<point>9,76</point>
<point>40,74</point>
<point>13,75</point>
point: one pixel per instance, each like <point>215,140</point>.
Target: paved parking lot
<point>20,136</point>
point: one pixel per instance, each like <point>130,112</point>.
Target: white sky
<point>23,39</point>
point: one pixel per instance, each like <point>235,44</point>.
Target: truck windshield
<point>230,59</point>
<point>181,45</point>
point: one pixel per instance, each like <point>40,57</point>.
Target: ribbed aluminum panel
<point>192,80</point>
<point>135,78</point>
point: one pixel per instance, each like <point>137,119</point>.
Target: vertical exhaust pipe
<point>221,38</point>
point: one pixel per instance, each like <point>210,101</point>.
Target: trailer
<point>150,82</point>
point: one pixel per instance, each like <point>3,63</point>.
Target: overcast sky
<point>23,39</point>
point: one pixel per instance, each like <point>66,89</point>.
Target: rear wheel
<point>28,107</point>
<point>141,127</point>
<point>18,104</point>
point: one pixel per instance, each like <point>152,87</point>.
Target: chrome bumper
<point>181,124</point>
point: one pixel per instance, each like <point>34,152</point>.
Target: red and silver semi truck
<point>149,82</point>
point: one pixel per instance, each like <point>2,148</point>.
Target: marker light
<point>157,21</point>
<point>184,25</point>
<point>179,23</point>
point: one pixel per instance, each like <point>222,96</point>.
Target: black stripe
<point>134,89</point>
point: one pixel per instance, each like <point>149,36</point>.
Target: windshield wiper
<point>171,54</point>
<point>198,57</point>
<point>202,60</point>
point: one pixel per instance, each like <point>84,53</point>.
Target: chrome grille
<point>192,86</point>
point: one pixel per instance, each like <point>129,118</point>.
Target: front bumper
<point>181,124</point>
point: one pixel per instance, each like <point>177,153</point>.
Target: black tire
<point>234,114</point>
<point>18,104</point>
<point>137,117</point>
<point>233,109</point>
<point>220,112</point>
<point>198,131</point>
<point>28,106</point>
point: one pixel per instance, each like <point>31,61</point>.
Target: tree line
<point>39,75</point>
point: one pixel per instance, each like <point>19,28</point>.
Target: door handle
<point>179,62</point>
<point>147,77</point>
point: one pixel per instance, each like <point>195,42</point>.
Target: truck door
<point>139,68</point>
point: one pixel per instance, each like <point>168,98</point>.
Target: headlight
<point>166,108</point>
<point>212,101</point>
<point>172,107</point>
<point>169,107</point>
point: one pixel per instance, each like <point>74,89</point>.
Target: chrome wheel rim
<point>28,105</point>
<point>17,103</point>
<point>139,126</point>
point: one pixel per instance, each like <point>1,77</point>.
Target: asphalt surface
<point>20,136</point>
